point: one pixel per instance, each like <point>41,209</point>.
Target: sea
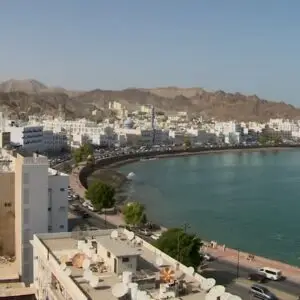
<point>246,200</point>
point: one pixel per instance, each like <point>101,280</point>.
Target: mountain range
<point>20,98</point>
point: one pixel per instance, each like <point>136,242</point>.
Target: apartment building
<point>30,137</point>
<point>110,264</point>
<point>33,199</point>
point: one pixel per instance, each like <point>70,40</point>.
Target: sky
<point>250,46</point>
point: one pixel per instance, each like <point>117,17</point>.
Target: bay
<point>246,200</point>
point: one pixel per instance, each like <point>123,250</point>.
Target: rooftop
<point>8,270</point>
<point>148,275</point>
<point>53,172</point>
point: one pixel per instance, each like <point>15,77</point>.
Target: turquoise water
<point>248,200</point>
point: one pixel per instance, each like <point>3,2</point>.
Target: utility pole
<point>238,264</point>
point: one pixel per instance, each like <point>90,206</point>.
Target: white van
<point>272,274</point>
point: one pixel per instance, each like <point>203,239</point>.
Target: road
<point>226,274</point>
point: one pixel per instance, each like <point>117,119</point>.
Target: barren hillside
<point>30,97</point>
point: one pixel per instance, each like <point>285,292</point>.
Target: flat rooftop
<point>8,270</point>
<point>63,246</point>
<point>53,172</point>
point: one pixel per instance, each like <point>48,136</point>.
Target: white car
<point>156,236</point>
<point>91,207</point>
<point>270,273</point>
<point>85,204</point>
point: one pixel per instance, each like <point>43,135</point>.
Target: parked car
<point>208,257</point>
<point>91,207</point>
<point>156,236</point>
<point>145,232</point>
<point>271,273</point>
<point>261,292</point>
<point>258,277</point>
<point>85,204</point>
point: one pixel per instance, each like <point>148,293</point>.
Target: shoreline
<point>124,162</point>
<point>229,255</point>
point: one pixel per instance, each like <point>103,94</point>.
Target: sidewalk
<point>229,255</point>
<point>256,262</point>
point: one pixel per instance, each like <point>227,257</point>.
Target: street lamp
<point>238,264</point>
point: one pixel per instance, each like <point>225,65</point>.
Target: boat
<point>131,175</point>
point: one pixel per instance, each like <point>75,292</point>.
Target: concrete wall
<point>7,214</point>
<point>58,203</point>
<point>45,264</point>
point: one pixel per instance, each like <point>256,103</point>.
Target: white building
<point>106,264</point>
<point>40,202</point>
<point>30,137</point>
<point>55,141</point>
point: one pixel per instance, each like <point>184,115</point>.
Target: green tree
<point>134,214</point>
<point>83,152</point>
<point>182,246</point>
<point>101,195</point>
<point>187,142</point>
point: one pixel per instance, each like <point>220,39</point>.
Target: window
<point>26,216</point>
<point>7,204</point>
<point>49,208</point>
<point>49,228</point>
<point>125,259</point>
<point>108,254</point>
<point>61,226</point>
<point>26,196</point>
<point>62,189</point>
<point>26,178</point>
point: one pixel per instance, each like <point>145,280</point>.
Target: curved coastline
<point>115,162</point>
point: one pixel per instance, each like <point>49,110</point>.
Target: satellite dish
<point>130,235</point>
<point>159,261</point>
<point>217,290</point>
<point>190,271</point>
<point>114,234</point>
<point>234,297</point>
<point>63,266</point>
<point>225,296</point>
<point>119,290</point>
<point>208,283</point>
<point>86,264</point>
<point>68,271</point>
<point>94,281</point>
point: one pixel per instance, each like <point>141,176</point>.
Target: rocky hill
<point>24,97</point>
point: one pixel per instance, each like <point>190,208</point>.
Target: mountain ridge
<point>31,96</point>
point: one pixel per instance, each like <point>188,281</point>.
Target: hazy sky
<point>251,46</point>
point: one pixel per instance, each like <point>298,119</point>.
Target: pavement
<point>292,273</point>
<point>224,267</point>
